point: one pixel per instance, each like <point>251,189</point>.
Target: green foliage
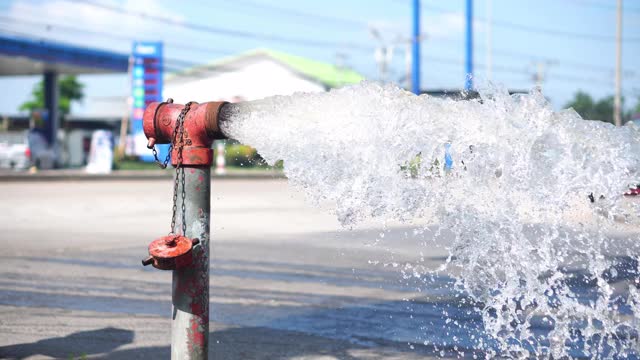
<point>243,156</point>
<point>602,109</point>
<point>412,167</point>
<point>236,155</point>
<point>70,90</point>
<point>135,164</point>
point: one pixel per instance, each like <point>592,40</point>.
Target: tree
<point>70,90</point>
<point>582,103</point>
<point>589,109</point>
<point>601,110</point>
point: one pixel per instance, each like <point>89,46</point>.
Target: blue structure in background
<point>468,84</point>
<point>25,56</point>
<point>146,72</point>
<point>448,159</point>
<point>415,51</point>
<point>64,54</point>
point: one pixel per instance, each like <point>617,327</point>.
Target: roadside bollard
<point>191,130</point>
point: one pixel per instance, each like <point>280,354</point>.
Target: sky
<point>570,41</point>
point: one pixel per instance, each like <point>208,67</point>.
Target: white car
<point>16,156</point>
<point>14,151</point>
<point>20,150</point>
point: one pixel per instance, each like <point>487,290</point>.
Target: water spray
<point>507,176</point>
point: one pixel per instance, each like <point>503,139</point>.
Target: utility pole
<point>489,34</point>
<point>540,74</point>
<point>383,54</point>
<point>468,84</point>
<point>617,101</point>
<point>415,60</point>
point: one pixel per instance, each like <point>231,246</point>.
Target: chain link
<point>164,164</point>
<point>177,142</point>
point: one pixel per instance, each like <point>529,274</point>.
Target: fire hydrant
<point>189,260</point>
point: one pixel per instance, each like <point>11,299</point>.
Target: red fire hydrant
<point>197,127</point>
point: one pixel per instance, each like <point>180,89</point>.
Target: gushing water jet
<point>508,176</point>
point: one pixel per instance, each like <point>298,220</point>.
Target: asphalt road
<point>287,281</point>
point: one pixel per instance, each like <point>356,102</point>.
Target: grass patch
<point>136,165</point>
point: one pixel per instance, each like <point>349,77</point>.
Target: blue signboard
<point>146,83</point>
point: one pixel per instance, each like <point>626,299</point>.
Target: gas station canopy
<point>23,56</point>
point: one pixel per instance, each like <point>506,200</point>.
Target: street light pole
<point>468,84</point>
<point>489,34</point>
<point>415,59</point>
<point>383,54</point>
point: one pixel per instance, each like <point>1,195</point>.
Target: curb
<point>127,176</point>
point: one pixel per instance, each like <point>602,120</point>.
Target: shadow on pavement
<point>246,343</point>
<point>257,343</point>
<point>75,345</point>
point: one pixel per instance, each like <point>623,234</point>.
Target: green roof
<point>328,74</point>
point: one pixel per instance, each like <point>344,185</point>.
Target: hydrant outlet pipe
<point>201,128</point>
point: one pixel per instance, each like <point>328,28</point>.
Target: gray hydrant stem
<point>190,294</point>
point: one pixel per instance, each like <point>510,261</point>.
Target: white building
<point>254,75</point>
<point>248,76</point>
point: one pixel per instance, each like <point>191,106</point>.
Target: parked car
<point>633,191</point>
<point>16,156</point>
<point>14,150</point>
<point>22,149</point>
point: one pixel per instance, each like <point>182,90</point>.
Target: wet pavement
<point>286,281</point>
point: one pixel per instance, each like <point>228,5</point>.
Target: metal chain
<point>164,164</point>
<point>178,142</point>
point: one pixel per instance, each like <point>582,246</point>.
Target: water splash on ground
<point>507,175</point>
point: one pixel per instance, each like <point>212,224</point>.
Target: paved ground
<point>9,175</point>
<point>287,282</point>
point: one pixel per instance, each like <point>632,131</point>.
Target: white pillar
<point>220,164</point>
